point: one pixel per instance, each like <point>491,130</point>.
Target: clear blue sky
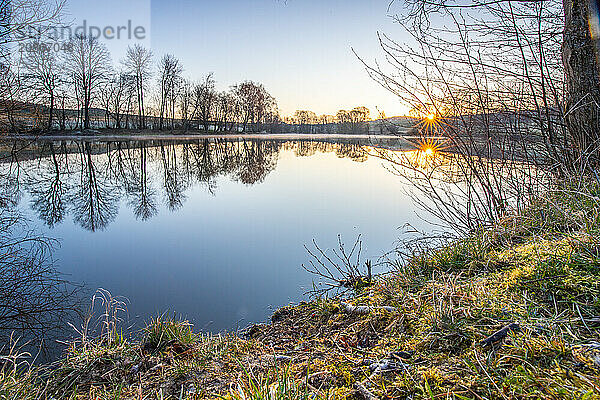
<point>299,49</point>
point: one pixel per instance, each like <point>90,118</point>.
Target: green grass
<point>19,384</point>
<point>277,384</point>
<point>166,331</point>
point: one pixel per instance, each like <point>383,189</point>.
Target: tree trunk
<point>51,111</point>
<point>86,110</point>
<point>142,113</point>
<point>138,85</point>
<point>580,59</point>
<point>63,116</point>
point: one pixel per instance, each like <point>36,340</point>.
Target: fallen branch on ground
<point>364,391</point>
<point>501,334</point>
<point>350,309</point>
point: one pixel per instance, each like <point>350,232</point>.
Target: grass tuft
<point>276,384</point>
<point>163,331</point>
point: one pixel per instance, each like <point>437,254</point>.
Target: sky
<point>301,50</point>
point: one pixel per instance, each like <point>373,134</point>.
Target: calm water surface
<point>212,229</point>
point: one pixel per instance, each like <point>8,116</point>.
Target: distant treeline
<point>31,118</point>
<point>79,87</point>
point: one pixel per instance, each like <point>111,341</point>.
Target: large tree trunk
<point>580,58</point>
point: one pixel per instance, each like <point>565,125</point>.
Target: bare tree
<point>88,63</point>
<point>490,84</point>
<point>358,117</point>
<point>122,94</point>
<point>306,119</point>
<point>21,20</point>
<point>245,92</point>
<point>115,94</point>
<point>11,91</point>
<point>255,102</point>
<point>206,97</point>
<point>170,71</point>
<point>42,76</point>
<point>106,96</point>
<point>227,111</point>
<point>353,121</point>
<point>187,104</point>
<point>532,60</point>
<point>138,63</point>
<point>61,93</point>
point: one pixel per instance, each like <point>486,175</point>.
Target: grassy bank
<point>512,312</point>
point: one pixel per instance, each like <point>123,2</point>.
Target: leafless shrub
<point>35,298</point>
<point>341,271</point>
<point>467,192</point>
<point>499,83</point>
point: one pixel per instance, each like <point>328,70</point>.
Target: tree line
<point>344,121</point>
<point>79,87</point>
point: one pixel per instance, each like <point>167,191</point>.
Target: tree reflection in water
<point>94,200</point>
<point>172,182</point>
<point>90,180</point>
<point>35,298</point>
<point>48,190</point>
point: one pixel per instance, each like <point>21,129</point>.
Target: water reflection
<point>215,229</point>
<point>211,229</point>
<point>88,180</point>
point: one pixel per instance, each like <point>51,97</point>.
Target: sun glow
<point>431,121</point>
<point>429,147</point>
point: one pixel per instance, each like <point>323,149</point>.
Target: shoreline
<point>146,136</point>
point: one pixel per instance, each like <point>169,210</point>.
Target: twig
<point>361,310</point>
<point>364,391</point>
<point>500,335</point>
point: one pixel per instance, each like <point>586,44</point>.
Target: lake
<point>211,229</point>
